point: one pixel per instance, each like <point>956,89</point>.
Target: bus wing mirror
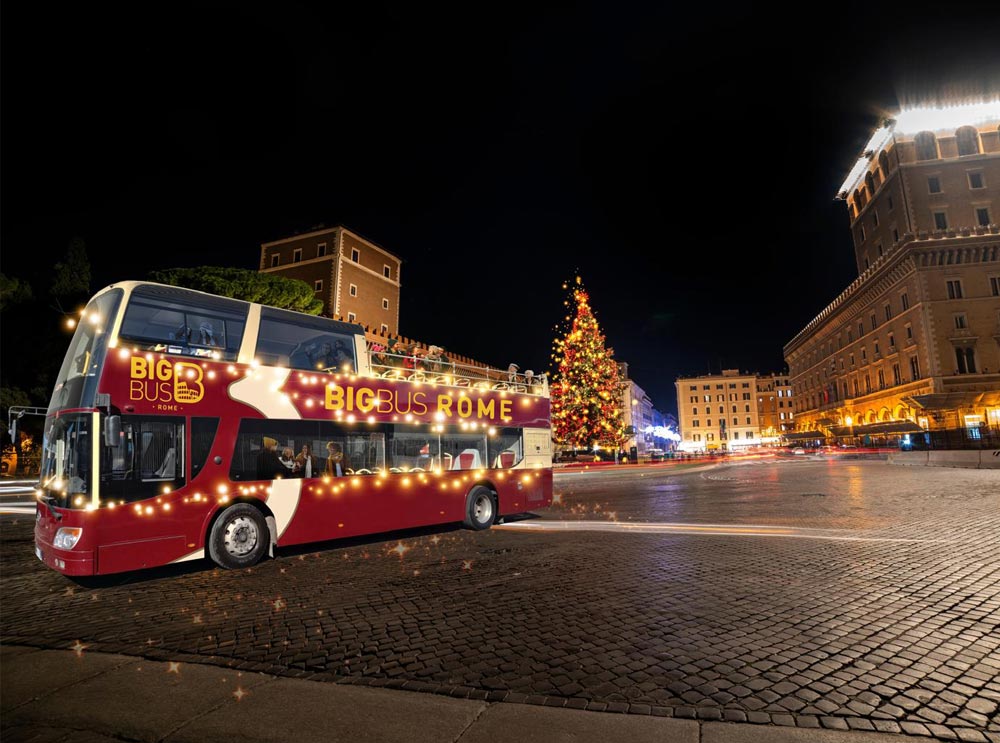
<point>112,430</point>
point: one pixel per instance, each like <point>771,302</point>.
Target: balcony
<point>962,335</point>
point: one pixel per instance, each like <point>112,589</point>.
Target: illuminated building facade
<point>914,341</point>
<point>638,412</point>
<point>357,280</point>
<point>718,411</point>
<point>774,407</point>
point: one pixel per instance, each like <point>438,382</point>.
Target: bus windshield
<point>76,385</point>
<point>66,460</point>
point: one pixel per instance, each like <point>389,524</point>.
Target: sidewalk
<point>59,696</point>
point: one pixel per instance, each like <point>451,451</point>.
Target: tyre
<point>239,537</point>
<point>480,508</point>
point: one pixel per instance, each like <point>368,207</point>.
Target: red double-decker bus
<point>185,425</point>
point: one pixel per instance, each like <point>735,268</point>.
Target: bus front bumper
<point>67,562</point>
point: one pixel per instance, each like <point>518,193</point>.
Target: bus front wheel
<point>239,537</point>
<point>480,508</point>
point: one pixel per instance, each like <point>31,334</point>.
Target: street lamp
<point>850,425</point>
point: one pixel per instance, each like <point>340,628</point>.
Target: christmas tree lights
<point>586,391</point>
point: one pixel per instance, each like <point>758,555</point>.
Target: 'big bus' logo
<point>165,382</point>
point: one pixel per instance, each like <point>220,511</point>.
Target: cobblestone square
<point>844,594</point>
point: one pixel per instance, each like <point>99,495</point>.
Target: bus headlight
<point>67,537</point>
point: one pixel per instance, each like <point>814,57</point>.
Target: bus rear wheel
<point>239,537</point>
<point>480,508</point>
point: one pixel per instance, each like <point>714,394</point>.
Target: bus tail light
<point>67,537</point>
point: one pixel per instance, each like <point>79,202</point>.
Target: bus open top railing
<point>417,368</point>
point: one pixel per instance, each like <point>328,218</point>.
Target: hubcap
<point>483,509</point>
<point>241,537</point>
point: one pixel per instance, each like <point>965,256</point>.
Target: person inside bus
<point>206,334</point>
<point>304,462</point>
<point>287,458</point>
<point>269,464</point>
<point>337,464</point>
<point>341,357</point>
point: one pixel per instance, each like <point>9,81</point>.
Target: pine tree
<point>587,390</point>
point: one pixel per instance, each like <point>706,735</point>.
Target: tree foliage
<point>241,283</point>
<point>587,390</point>
<point>71,276</point>
<point>13,291</point>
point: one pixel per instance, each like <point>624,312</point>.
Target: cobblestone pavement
<point>845,595</point>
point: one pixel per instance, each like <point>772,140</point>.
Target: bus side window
<point>202,436</point>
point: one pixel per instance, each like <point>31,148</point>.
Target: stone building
<point>914,341</point>
<point>358,280</point>
<point>718,411</point>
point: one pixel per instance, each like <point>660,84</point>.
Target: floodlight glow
<point>915,120</point>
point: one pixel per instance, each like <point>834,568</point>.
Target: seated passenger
<point>337,464</point>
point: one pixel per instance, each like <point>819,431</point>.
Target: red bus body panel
<point>173,526</point>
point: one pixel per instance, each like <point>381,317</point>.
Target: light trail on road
<point>741,530</point>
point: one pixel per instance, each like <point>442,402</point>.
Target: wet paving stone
<point>876,607</point>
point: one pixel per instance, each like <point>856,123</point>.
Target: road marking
<point>742,530</point>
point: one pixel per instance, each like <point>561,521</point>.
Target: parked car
<point>798,450</point>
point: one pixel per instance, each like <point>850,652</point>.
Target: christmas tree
<point>587,391</point>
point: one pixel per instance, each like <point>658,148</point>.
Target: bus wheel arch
<point>482,506</point>
<point>240,534</point>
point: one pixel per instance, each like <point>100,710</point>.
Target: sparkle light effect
<point>78,648</point>
<point>586,390</point>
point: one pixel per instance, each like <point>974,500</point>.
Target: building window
<point>387,270</point>
<point>694,411</point>
<point>734,408</point>
<point>384,330</point>
<point>890,204</point>
<point>746,396</point>
<point>954,288</point>
<point>976,181</point>
<point>781,416</point>
<point>351,317</point>
<point>968,140</point>
<point>736,434</point>
<point>966,360</point>
<point>905,301</point>
<point>696,424</point>
<point>856,390</point>
<point>851,359</point>
<point>321,250</point>
<point>866,263</point>
<point>909,332</point>
<point>708,422</point>
<point>874,321</point>
<point>914,368</point>
<point>933,184</point>
<point>926,145</point>
<point>877,352</point>
<point>318,285</point>
<point>888,312</point>
<point>385,303</point>
<point>940,221</point>
<point>875,217</point>
<point>982,216</point>
<point>861,232</point>
<point>995,285</point>
<point>895,235</point>
<point>746,408</point>
<point>297,255</point>
<point>745,385</point>
<point>736,421</point>
<point>693,388</point>
<point>864,355</point>
<point>881,379</point>
<point>878,249</point>
<point>960,321</point>
<point>274,260</point>
<point>355,255</point>
<point>748,421</point>
<point>897,377</point>
<point>353,291</point>
<point>868,383</point>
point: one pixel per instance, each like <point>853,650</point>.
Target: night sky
<point>683,165</point>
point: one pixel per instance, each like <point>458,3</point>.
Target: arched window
<point>870,183</point>
<point>883,164</point>
<point>858,199</point>
<point>926,146</point>
<point>968,140</point>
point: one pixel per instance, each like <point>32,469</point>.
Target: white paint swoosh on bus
<point>736,530</point>
<point>261,390</point>
<point>283,500</point>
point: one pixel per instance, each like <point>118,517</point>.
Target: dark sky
<point>684,165</point>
